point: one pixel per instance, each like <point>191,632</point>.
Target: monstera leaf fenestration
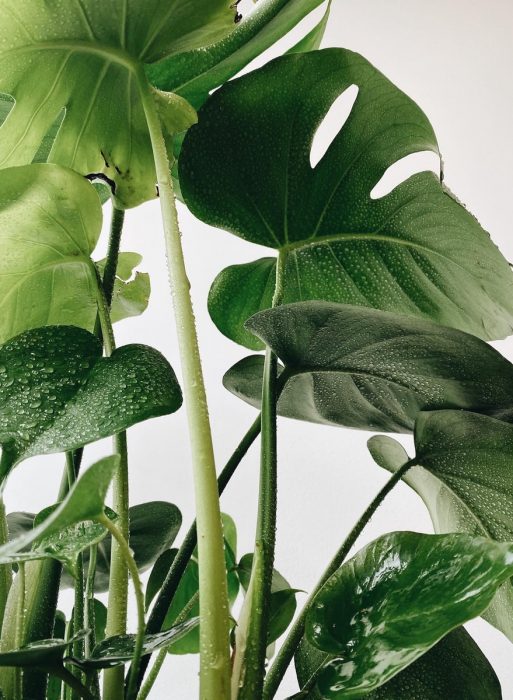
<point>86,58</point>
<point>464,475</point>
<point>245,167</point>
<point>364,368</point>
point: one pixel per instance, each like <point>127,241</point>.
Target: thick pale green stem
<point>251,635</point>
<point>214,613</point>
<point>5,569</point>
<point>286,653</point>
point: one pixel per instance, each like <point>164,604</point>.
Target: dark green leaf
<point>416,250</point>
<point>18,523</point>
<point>396,599</point>
<point>57,393</point>
<point>42,654</point>
<point>465,478</point>
<point>371,369</point>
<point>87,58</point>
<point>455,669</point>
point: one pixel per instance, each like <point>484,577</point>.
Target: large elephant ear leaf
<point>395,600</point>
<point>464,475</point>
<point>370,369</point>
<point>415,250</point>
<point>58,393</point>
<point>87,58</point>
<point>454,668</point>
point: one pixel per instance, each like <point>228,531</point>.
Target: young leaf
<point>131,289</point>
<point>57,393</point>
<point>454,668</point>
<point>392,253</point>
<point>371,369</point>
<point>395,600</point>
<point>465,478</point>
<point>87,57</point>
<point>84,502</point>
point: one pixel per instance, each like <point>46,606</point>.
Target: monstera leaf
<point>58,393</point>
<point>86,58</point>
<point>415,251</point>
<point>454,668</point>
<point>395,600</point>
<point>370,369</point>
<point>465,478</point>
<point>50,222</point>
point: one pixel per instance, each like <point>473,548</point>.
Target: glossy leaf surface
<point>416,250</point>
<point>42,654</point>
<point>396,599</point>
<point>87,57</point>
<point>465,478</point>
<point>371,369</point>
<point>57,393</point>
<point>454,668</point>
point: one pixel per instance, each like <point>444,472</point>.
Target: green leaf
<point>194,74</point>
<point>282,604</point>
<point>395,600</point>
<point>50,222</point>
<point>114,651</point>
<point>45,653</point>
<point>57,393</point>
<point>312,40</point>
<point>454,668</point>
<point>371,369</point>
<point>84,502</point>
<point>87,57</point>
<point>131,289</point>
<point>465,478</point>
<point>416,250</point>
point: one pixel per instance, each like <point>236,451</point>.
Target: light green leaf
<point>370,369</point>
<point>465,478</point>
<point>57,393</point>
<point>454,668</point>
<point>87,58</point>
<point>395,600</point>
<point>131,289</point>
<point>416,250</point>
<point>312,41</point>
<point>84,502</point>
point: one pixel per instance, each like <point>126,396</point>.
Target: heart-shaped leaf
<point>87,58</point>
<point>370,369</point>
<point>131,288</point>
<point>465,478</point>
<point>395,600</point>
<point>84,502</point>
<point>57,393</point>
<point>454,668</point>
<point>416,250</point>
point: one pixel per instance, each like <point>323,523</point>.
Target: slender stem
<point>287,651</point>
<point>92,677</point>
<point>20,626</point>
<point>117,535</point>
<point>111,264</point>
<point>152,675</point>
<point>5,569</point>
<point>214,614</point>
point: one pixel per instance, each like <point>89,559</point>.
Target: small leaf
<point>131,289</point>
<point>454,668</point>
<point>371,369</point>
<point>57,393</point>
<point>85,501</point>
<point>340,243</point>
<point>464,475</point>
<point>45,653</point>
<point>395,600</point>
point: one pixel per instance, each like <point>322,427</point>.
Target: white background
<point>455,59</point>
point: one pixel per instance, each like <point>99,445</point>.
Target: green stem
<point>92,677</point>
<point>118,537</point>
<point>5,569</point>
<point>20,627</point>
<point>214,614</point>
<point>111,264</point>
<point>152,675</point>
<point>288,649</point>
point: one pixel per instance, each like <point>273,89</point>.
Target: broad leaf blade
<point>454,668</point>
<point>415,250</point>
<point>395,600</point>
<point>371,369</point>
<point>87,57</point>
<point>465,478</point>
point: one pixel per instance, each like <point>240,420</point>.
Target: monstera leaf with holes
<point>364,368</point>
<point>87,58</point>
<point>464,475</point>
<point>50,222</point>
<point>416,250</point>
<point>58,393</point>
